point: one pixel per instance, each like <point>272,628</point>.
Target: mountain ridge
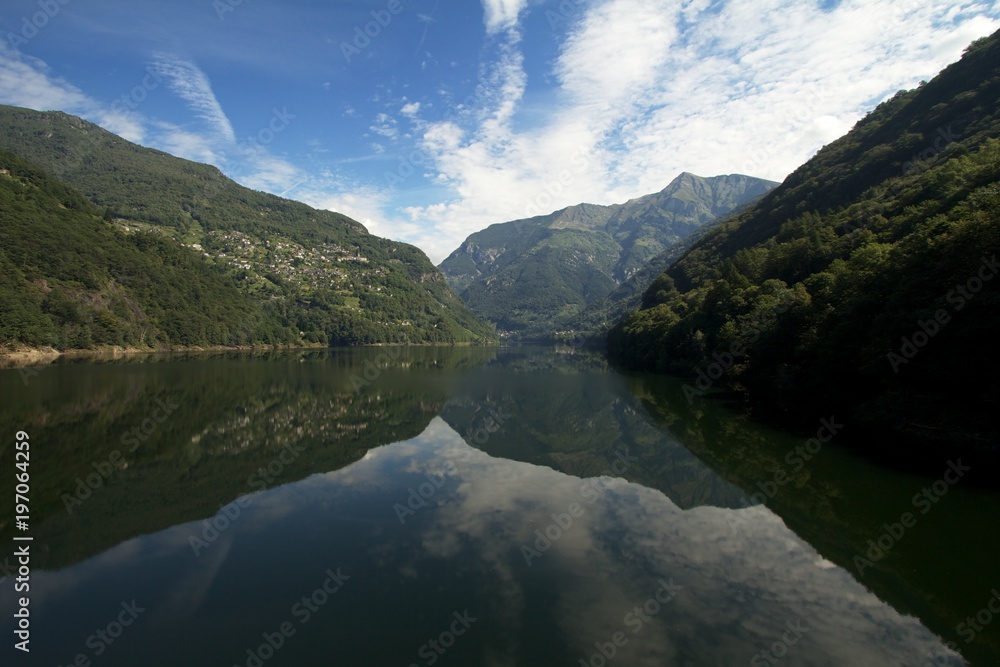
<point>532,276</point>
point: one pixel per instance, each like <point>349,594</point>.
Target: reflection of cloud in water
<point>740,587</point>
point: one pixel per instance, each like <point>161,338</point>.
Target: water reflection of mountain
<point>572,413</point>
<point>567,415</point>
<point>125,449</point>
<point>681,586</point>
<point>941,570</point>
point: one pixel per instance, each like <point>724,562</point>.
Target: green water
<point>471,507</point>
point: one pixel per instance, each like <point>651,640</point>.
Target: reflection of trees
<point>235,416</point>
<point>838,502</point>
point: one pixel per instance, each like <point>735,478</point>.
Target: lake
<point>438,506</point>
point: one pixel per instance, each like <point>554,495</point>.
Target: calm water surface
<point>471,507</point>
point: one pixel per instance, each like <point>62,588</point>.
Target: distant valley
<point>537,277</point>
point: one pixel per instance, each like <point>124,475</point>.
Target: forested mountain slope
<point>865,285</point>
<point>71,280</point>
<point>320,276</point>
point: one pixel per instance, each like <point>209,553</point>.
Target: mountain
<point>864,286</point>
<point>596,320</point>
<point>69,279</point>
<point>530,277</point>
<point>300,274</point>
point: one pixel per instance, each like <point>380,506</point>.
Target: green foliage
<point>818,284</point>
<point>68,279</point>
<point>299,274</point>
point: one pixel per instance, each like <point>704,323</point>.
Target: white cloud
<point>649,88</point>
<point>614,56</point>
<point>191,84</point>
<point>28,82</point>
<point>385,126</point>
<point>502,14</point>
<point>443,137</point>
<point>362,203</point>
<point>183,143</point>
<point>635,92</point>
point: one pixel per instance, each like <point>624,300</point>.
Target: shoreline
<point>35,356</point>
<point>26,357</point>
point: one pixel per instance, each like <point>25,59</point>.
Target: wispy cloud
<point>502,14</point>
<point>191,84</point>
<point>28,82</point>
<point>611,103</point>
<point>649,88</point>
<point>385,126</point>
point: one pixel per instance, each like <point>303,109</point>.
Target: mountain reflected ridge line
<point>577,513</point>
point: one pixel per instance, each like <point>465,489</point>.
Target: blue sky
<point>429,120</point>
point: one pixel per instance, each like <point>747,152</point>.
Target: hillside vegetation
<point>865,285</point>
<point>292,273</point>
<point>70,280</point>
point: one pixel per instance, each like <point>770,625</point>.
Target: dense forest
<point>207,262</point>
<point>864,286</point>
